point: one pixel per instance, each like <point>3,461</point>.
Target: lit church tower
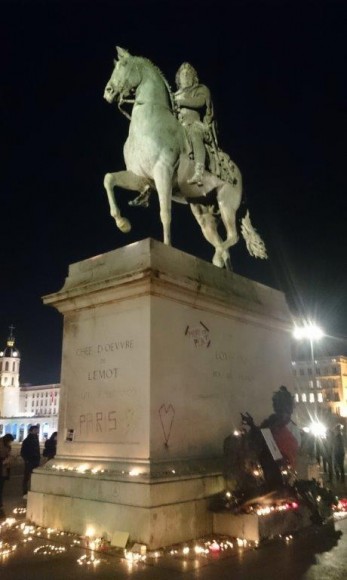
<point>9,378</point>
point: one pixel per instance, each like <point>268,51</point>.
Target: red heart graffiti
<point>166,414</point>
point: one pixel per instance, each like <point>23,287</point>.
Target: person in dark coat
<point>30,452</point>
<point>339,455</point>
<point>327,454</point>
<point>5,451</point>
<point>50,446</point>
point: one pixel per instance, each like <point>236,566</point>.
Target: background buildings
<point>24,405</point>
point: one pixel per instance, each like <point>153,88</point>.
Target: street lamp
<point>313,333</point>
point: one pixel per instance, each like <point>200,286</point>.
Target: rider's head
<point>186,76</point>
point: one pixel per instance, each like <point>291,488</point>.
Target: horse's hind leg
<point>228,203</point>
<point>208,225</point>
<point>125,180</point>
<point>162,175</point>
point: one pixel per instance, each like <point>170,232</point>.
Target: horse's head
<point>125,77</point>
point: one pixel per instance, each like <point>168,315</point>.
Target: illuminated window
<point>311,397</point>
<point>303,397</point>
<point>296,397</point>
<point>320,397</point>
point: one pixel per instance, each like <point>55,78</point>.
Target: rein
<point>120,103</point>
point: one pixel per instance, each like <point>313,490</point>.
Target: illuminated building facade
<point>24,405</point>
<point>322,387</point>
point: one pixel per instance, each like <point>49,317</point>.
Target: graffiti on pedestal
<point>200,335</point>
<point>166,415</point>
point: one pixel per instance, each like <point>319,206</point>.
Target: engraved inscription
<point>114,346</point>
<point>102,374</point>
<point>117,345</point>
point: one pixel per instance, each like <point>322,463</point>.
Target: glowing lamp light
<point>318,429</point>
<point>309,331</point>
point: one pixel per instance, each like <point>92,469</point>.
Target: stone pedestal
<point>254,528</point>
<point>161,353</point>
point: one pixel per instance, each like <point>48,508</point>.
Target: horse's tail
<point>254,243</point>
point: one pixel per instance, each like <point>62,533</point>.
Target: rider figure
<point>195,112</point>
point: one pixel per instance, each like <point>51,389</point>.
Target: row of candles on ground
<point>95,545</point>
<point>138,553</point>
<point>266,510</point>
<point>85,469</point>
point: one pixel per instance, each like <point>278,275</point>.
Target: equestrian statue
<point>172,149</point>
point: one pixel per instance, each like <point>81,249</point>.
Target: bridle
<point>126,90</point>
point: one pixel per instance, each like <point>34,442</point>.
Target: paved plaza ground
<point>317,553</point>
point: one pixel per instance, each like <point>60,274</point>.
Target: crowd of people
<point>31,454</point>
<point>330,452</point>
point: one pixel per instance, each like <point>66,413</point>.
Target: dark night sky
<point>277,73</point>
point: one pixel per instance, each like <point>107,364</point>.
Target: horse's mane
<point>166,83</point>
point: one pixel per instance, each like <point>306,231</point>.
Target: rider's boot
<point>198,174</point>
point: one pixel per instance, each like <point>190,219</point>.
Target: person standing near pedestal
<point>339,455</point>
<point>5,451</point>
<point>30,452</point>
<point>50,447</point>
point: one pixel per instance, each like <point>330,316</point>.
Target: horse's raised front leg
<point>207,222</point>
<point>125,180</point>
<point>162,175</point>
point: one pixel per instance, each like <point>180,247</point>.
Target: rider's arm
<point>195,99</point>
